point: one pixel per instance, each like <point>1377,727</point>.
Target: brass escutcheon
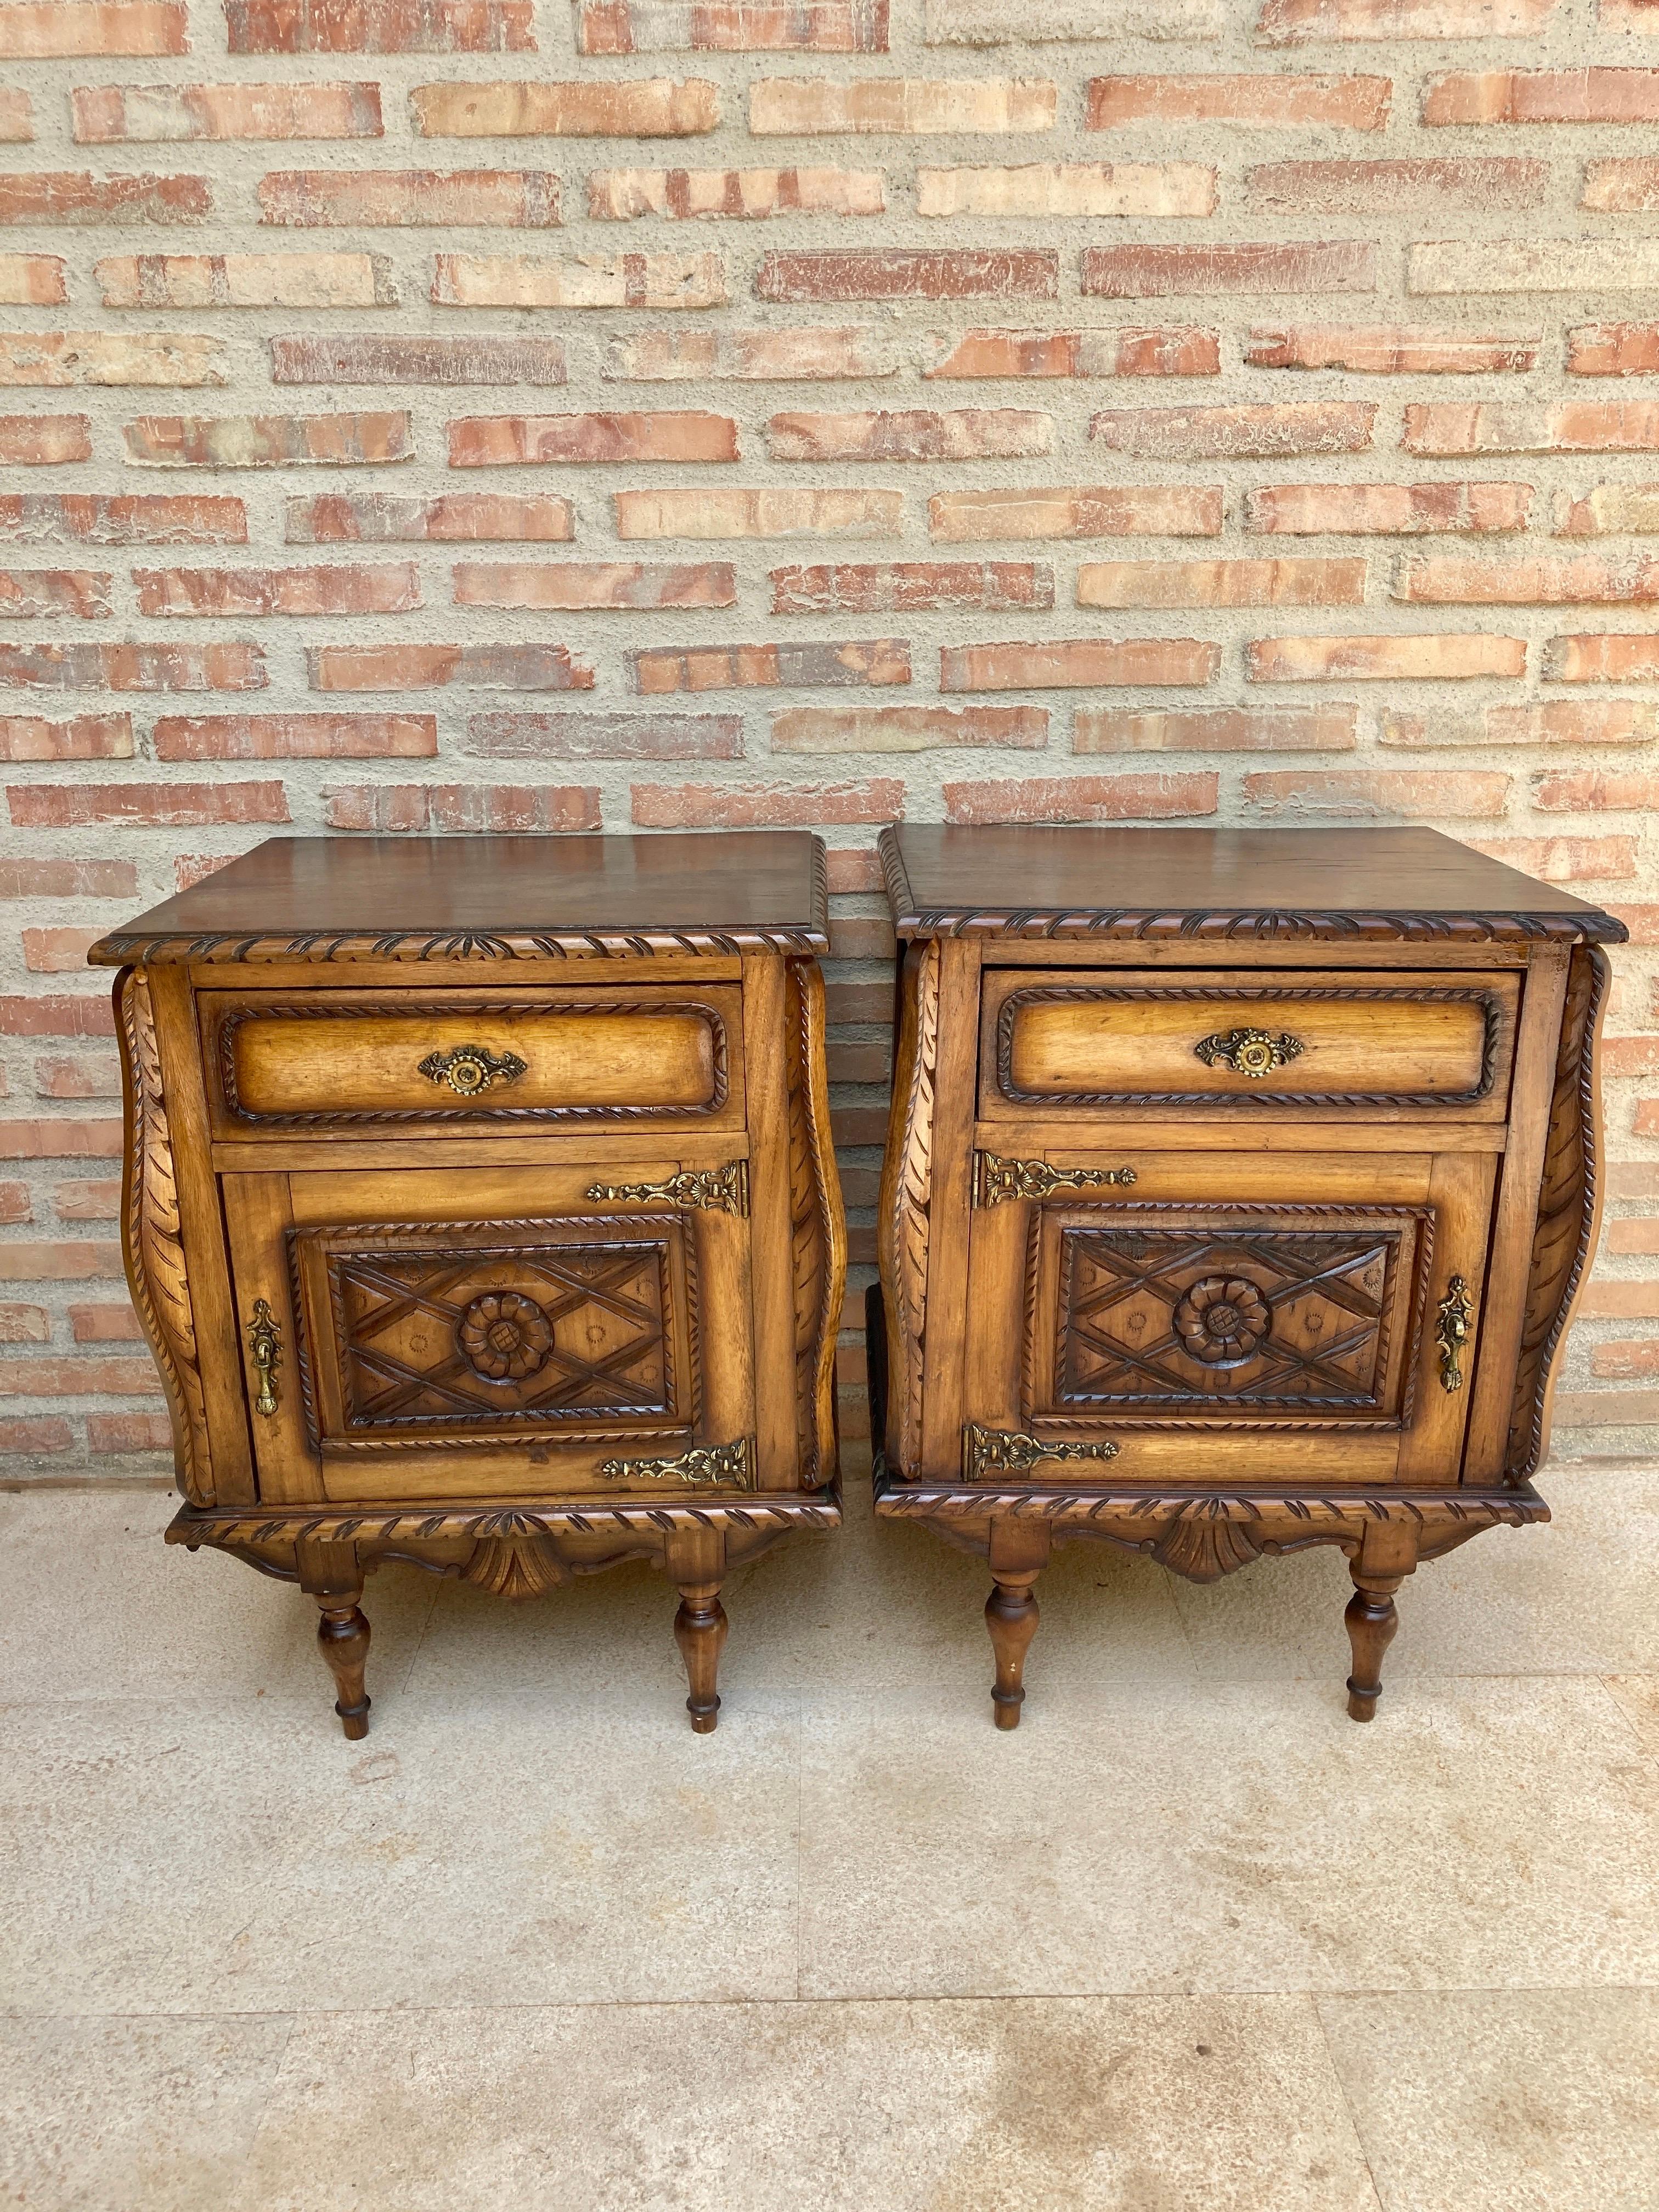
<point>1254,1053</point>
<point>265,1340</point>
<point>467,1069</point>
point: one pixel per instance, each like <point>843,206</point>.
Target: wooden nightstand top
<point>1383,884</point>
<point>472,898</point>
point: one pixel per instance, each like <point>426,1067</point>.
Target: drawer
<point>1071,1045</point>
<point>418,1062</point>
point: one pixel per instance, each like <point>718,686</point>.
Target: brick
<point>1438,655</point>
<point>40,879</point>
<point>268,442</point>
<point>1077,663</point>
<point>1149,798</point>
<point>855,1061</point>
<point>20,1324</point>
<point>1624,657</point>
<point>133,668</point>
<point>1609,510</point>
<point>390,588</point>
<point>60,1139</point>
<point>778,661</point>
<point>77,196</point>
<point>606,737</point>
<point>1215,729</point>
<point>1417,187</point>
<point>1441,427</point>
<point>905,729</point>
<point>410,667</point>
<point>35,442</point>
<point>96,1075</point>
<point>90,1198</point>
<point>1584,579</point>
<point>105,1324</point>
<point>76,1016</point>
<point>155,805</point>
<point>1083,511</point>
<point>1625,186</point>
<point>1272,432</point>
<point>991,22</point>
<point>909,273</point>
<point>1289,23</point>
<point>767,512</point>
<point>510,441</point>
<point>673,356</point>
<point>377,518</point>
<point>1594,791</point>
<point>1221,583</point>
<point>651,107</point>
<point>74,1378</point>
<point>33,594</point>
<point>767,807</point>
<point>337,358</point>
<point>81,737</point>
<point>17,116</point>
<point>1526,265</point>
<point>1378,795</point>
<point>798,106</point>
<point>520,199</point>
<point>1255,102</point>
<point>1579,96</point>
<point>644,27</point>
<point>380,27</point>
<point>1636,15</point>
<point>1387,510</point>
<point>1621,1301</point>
<point>111,114</point>
<point>465,809</point>
<point>14,1202</point>
<point>190,869</point>
<point>1540,722</point>
<point>32,279</point>
<point>120,519</point>
<point>121,1433</point>
<point>59,1262</point>
<point>619,585</point>
<point>54,951</point>
<point>1387,349</point>
<point>1070,188</point>
<point>1613,350</point>
<point>852,870</point>
<point>590,280</point>
<point>916,434</point>
<point>65,358</point>
<point>245,280</point>
<point>29,1439</point>
<point>295,737</point>
<point>911,587</point>
<point>1175,351</point>
<point>38,29</point>
<point>1143,272</point>
<point>1627,1362</point>
<point>742,195</point>
<point>861,937</point>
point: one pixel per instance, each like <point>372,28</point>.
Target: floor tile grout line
<point>266,2101</point>
<point>1342,2090</point>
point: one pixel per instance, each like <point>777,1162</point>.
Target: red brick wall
<point>436,416</point>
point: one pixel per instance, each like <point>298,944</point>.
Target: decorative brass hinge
<point>732,1464</point>
<point>467,1069</point>
<point>718,1190</point>
<point>996,1179</point>
<point>265,1344</point>
<point>1453,1317</point>
<point>987,1452</point>
<point>1254,1052</point>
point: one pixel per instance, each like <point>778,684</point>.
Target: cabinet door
<point>1222,1315</point>
<point>491,1331</point>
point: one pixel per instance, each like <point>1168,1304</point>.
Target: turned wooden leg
<point>1010,1614</point>
<point>342,1639</point>
<point>1371,1621</point>
<point>700,1628</point>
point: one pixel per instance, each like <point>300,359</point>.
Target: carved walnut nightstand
<point>482,1213</point>
<point>1238,1186</point>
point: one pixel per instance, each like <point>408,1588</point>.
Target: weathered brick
<point>1263,433</point>
<point>41,441</point>
<point>20,1324</point>
<point>798,106</point>
<point>1415,187</point>
<point>1323,728</point>
<point>90,1075</point>
<point>589,280</point>
<point>1387,510</point>
<point>58,950</point>
<point>1290,22</point>
<point>33,280</point>
<point>646,27</point>
<point>1442,427</point>
<point>915,434</point>
<point>1077,663</point>
<point>72,1378</point>
<point>1539,722</point>
<point>38,29</point>
<point>109,114</point>
<point>1436,654</point>
<point>245,280</point>
<point>381,27</point>
<point>1070,188</point>
<point>909,273</point>
<point>1387,349</point>
<point>1378,795</point>
<point>606,737</point>
<point>651,107</point>
<point>88,1198</point>
<point>992,23</point>
<point>910,586</point>
<point>295,737</point>
<point>766,806</point>
<point>441,518</point>
<point>521,199</point>
<point>1637,1301</point>
<point>80,737</point>
<point>78,196</point>
<point>133,668</point>
<point>490,442</point>
<point>905,729</point>
<point>120,519</point>
<point>1527,264</point>
<point>336,357</point>
<point>42,879</point>
<point>1175,351</point>
<point>854,869</point>
<point>1609,510</point>
<point>693,355</point>
<point>621,585</point>
<point>1579,96</point>
<point>154,805</point>
<point>1149,798</point>
<point>463,809</point>
<point>744,194</point>
<point>1627,1362</point>
<point>105,1324</point>
<point>778,661</point>
<point>64,359</point>
<point>80,1014</point>
<point>1613,349</point>
<point>268,442</point>
<point>1080,511</point>
<point>31,594</point>
<point>17,116</point>
<point>1541,579</point>
<point>767,513</point>
<point>860,937</point>
<point>1621,186</point>
<point>410,668</point>
<point>388,588</point>
<point>1594,791</point>
<point>1255,100</point>
<point>119,1434</point>
<point>1145,272</point>
<point>1265,583</point>
<point>1617,657</point>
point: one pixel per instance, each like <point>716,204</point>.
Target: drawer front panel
<point>418,1062</point>
<point>1315,1043</point>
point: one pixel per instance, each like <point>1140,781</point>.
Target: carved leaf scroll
<point>905,1200</point>
<point>818,1253</point>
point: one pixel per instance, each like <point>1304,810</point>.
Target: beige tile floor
<point>1189,1941</point>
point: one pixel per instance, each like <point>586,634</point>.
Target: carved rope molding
<point>251,1528</point>
<point>906,1198</point>
<point>818,1235</point>
<point>221,948</point>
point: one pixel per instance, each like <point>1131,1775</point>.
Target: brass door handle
<point>1254,1053</point>
<point>468,1069</point>
<point>264,1339</point>
<point>1453,1317</point>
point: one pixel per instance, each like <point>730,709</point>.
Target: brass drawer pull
<point>468,1069</point>
<point>265,1340</point>
<point>717,1190</point>
<point>996,1179</point>
<point>1011,1451</point>
<point>1453,1317</point>
<point>732,1463</point>
<point>1254,1053</point>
